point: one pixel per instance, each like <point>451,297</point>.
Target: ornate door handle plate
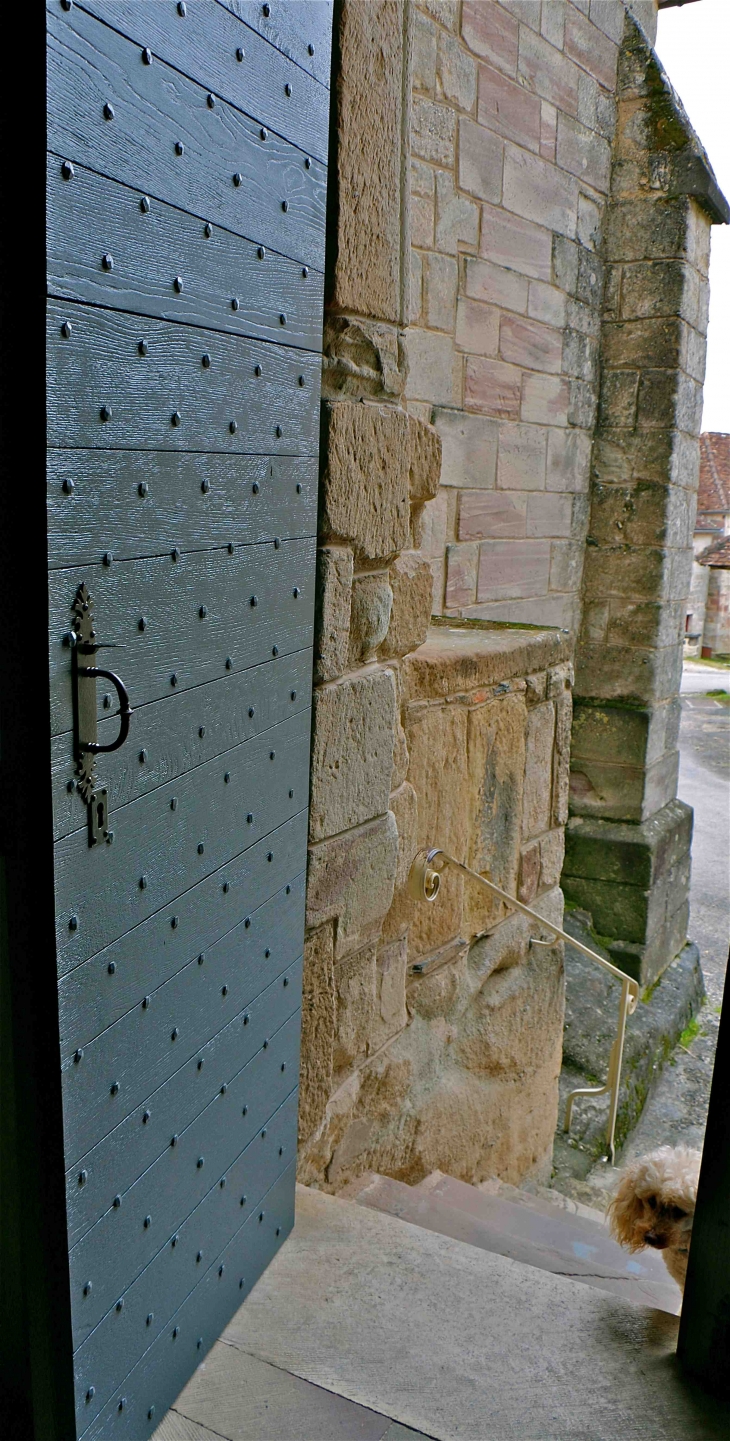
<point>82,639</point>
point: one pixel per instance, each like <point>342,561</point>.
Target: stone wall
<point>513,118</point>
<point>716,638</point>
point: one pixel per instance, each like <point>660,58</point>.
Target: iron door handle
<point>124,712</point>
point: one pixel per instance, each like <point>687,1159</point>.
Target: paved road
<point>698,679</point>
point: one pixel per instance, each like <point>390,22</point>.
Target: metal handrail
<point>424,881</point>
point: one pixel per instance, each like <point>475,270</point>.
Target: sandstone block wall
<point>513,119</point>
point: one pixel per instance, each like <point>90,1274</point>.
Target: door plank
<point>122,1157</point>
<point>293,29</point>
<point>133,503</point>
<point>112,1349</point>
<point>138,1051</point>
<point>258,602</point>
<point>153,110</point>
<point>181,732</point>
<point>98,891</point>
<point>97,371</point>
<point>202,44</point>
<point>102,249</point>
<point>163,1369</point>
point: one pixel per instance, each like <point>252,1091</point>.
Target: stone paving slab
<point>463,1345</point>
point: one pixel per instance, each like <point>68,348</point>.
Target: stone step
<point>531,1230</point>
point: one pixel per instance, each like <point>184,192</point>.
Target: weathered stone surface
<point>514,1023</point>
<point>364,491</point>
<point>425,461</point>
<point>367,270</point>
<point>552,851</point>
<point>352,752</point>
<point>318,1030</point>
<point>362,358</point>
<point>332,611</point>
<point>461,657</point>
<point>391,1014</point>
<point>350,880</point>
<point>469,448</point>
<point>372,603</point>
<point>529,872</point>
<point>538,770</point>
<point>411,582</point>
<point>355,990</point>
<point>404,805</point>
<point>438,772</point>
<point>496,768</point>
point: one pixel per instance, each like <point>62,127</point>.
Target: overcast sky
<point>694,46</point>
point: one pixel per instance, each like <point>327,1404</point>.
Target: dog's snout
<point>653,1238</point>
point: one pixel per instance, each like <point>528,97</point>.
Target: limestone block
<point>456,73</point>
<point>583,153</point>
<point>438,772</point>
<point>559,679</point>
<point>372,602</point>
<point>477,327</point>
<point>545,399</point>
<point>355,991</point>
<point>491,33</point>
<point>517,244</point>
<point>480,161</point>
<point>352,752</point>
<point>538,191</point>
<point>400,758</point>
<point>441,283</point>
<point>496,285</point>
<point>568,461</point>
<point>332,611</point>
<point>364,490</point>
<point>390,1000</point>
<point>538,770</point>
<point>411,582</point>
<point>425,461</point>
<point>362,358</point>
<point>462,562</point>
<point>530,343</point>
<point>404,805</point>
<point>469,448</point>
<point>514,1024</point>
<point>591,47</point>
<point>496,768</point>
<point>434,374</point>
<point>529,872</point>
<point>350,880</point>
<point>535,687</point>
<point>368,159</point>
<point>457,218</point>
<point>561,787</point>
<point>318,1029</point>
<point>509,109</point>
<point>501,948</point>
<point>424,53</point>
<point>491,514</point>
<point>522,451</point>
<point>551,74</point>
<point>509,569</point>
<point>552,851</point>
<point>433,131</point>
<point>493,388</point>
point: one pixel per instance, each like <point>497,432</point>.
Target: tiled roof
<point>714,492</point>
<point>717,555</point>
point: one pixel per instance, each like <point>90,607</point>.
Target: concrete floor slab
<point>461,1344</point>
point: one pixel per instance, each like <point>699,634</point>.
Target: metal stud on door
<point>186,189</point>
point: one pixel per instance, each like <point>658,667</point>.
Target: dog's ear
<point>624,1211</point>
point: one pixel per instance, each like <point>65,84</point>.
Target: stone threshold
<point>461,657</point>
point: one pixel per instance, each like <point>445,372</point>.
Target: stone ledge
<point>458,658</point>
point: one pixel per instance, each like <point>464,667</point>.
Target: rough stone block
<point>552,851</point>
<point>438,772</point>
<point>516,244</point>
<point>538,770</point>
<point>425,41</point>
<point>495,285</point>
<point>425,461</point>
<point>456,73</point>
<point>433,131</point>
<point>509,569</point>
<point>391,1014</point>
<point>548,72</point>
<point>352,752</point>
<point>521,464</point>
<point>457,218</point>
<point>529,872</point>
<point>432,375</point>
<point>514,1024</point>
<point>318,1030</point>
<point>364,490</point>
<point>462,563</point>
<point>350,880</point>
<point>355,991</point>
<point>469,448</point>
<point>496,766</point>
<point>634,855</point>
<point>367,271</point>
<point>332,611</point>
<point>493,388</point>
<point>509,109</point>
<point>528,342</point>
<point>441,278</point>
<point>491,33</point>
<point>491,514</point>
<point>372,602</point>
<point>411,582</point>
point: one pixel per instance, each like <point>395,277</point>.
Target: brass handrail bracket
<point>424,883</point>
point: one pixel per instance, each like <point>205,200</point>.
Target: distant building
<point>707,623</point>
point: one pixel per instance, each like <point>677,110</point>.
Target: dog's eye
<point>676,1213</point>
<point>651,1202</point>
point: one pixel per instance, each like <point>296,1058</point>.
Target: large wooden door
<point>186,186</point>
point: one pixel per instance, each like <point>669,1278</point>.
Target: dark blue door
<point>186,186</point>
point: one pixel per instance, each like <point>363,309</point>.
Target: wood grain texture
<point>203,43</point>
<point>100,887</point>
<point>154,109</point>
<point>205,1228</point>
<point>102,249</point>
<point>167,733</point>
<point>172,1023</point>
<point>118,1161</point>
<point>162,1371</point>
<point>293,29</point>
<point>99,370</point>
<point>192,502</point>
<point>176,640</point>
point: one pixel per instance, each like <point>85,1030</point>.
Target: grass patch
<point>690,1033</point>
<point>720,695</point>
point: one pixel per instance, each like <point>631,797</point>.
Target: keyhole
<point>100,815</point>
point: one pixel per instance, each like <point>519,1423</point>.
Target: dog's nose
<point>652,1238</point>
